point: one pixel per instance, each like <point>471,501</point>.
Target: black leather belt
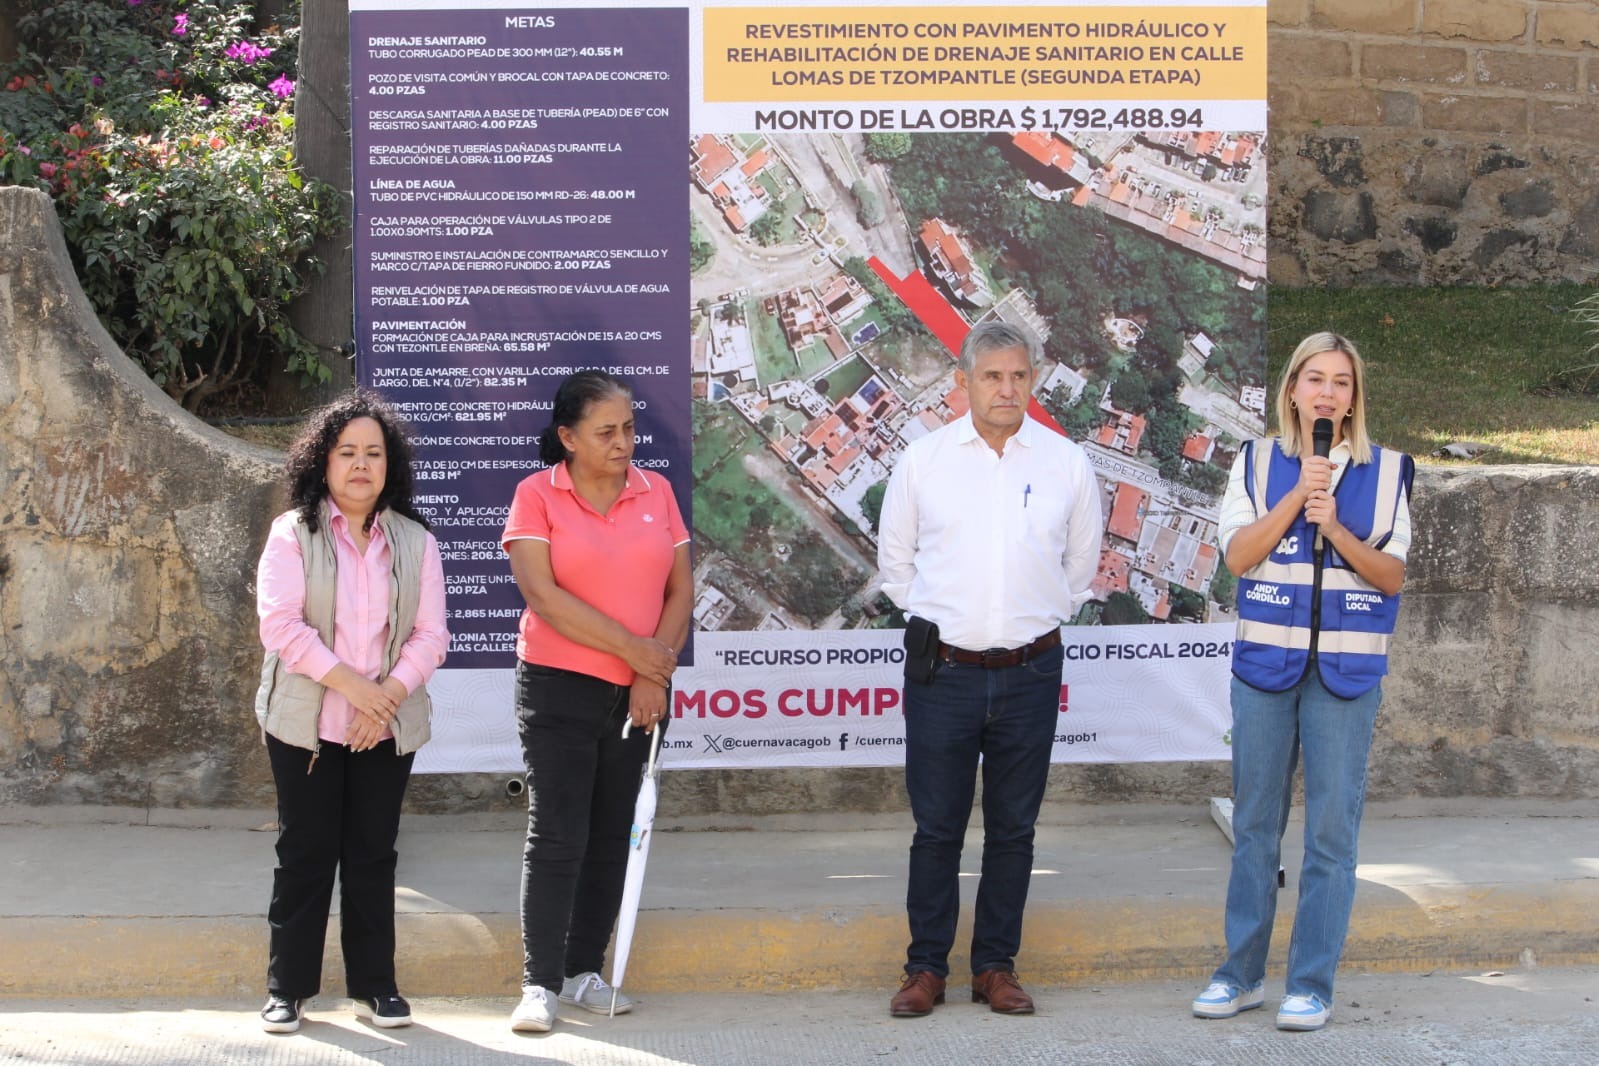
<point>998,658</point>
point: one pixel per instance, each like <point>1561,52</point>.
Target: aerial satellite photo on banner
<point>777,223</point>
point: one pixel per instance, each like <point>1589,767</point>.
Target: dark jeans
<point>342,816</point>
<point>582,781</point>
<point>1008,717</point>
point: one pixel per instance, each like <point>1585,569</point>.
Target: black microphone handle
<point>1321,437</point>
<point>1321,432</point>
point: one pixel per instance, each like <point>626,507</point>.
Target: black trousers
<point>341,817</point>
<point>582,782</point>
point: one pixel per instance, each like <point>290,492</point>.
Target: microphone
<point>1321,437</point>
<point>1321,442</point>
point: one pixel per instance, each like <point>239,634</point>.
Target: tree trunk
<point>10,10</point>
<point>325,313</point>
<point>272,12</point>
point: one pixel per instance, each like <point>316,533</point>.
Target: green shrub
<point>164,133</point>
<point>1584,378</point>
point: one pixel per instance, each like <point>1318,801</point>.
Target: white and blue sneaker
<point>1303,1013</point>
<point>1222,1000</point>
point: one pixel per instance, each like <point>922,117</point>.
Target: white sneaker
<point>1303,1014</point>
<point>536,1012</point>
<point>589,991</point>
<point>1222,1000</point>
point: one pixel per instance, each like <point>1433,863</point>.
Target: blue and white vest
<point>1275,632</point>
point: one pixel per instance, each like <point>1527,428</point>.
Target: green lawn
<point>813,358</point>
<point>718,433</point>
<point>856,324</point>
<point>1446,364</point>
<point>850,375</point>
<point>774,361</point>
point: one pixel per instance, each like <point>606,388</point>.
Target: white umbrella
<point>638,854</point>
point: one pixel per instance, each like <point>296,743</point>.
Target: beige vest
<point>288,704</point>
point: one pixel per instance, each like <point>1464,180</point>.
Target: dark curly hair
<point>307,468</point>
<point>572,402</point>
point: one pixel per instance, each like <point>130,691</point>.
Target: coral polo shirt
<point>617,563</point>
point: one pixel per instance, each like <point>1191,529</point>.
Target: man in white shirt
<point>990,530</point>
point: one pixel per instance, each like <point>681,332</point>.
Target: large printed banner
<point>861,184</point>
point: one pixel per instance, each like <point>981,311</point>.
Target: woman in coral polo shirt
<point>600,552</point>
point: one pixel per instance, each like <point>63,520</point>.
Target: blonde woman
<point>1318,544</point>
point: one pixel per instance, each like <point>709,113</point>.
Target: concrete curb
<point>779,910</point>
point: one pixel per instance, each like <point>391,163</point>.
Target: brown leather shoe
<point>1000,990</point>
<point>918,995</point>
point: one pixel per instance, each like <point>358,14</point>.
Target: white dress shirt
<point>997,550</point>
<point>1238,510</point>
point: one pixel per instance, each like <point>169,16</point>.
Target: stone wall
<point>1433,141</point>
<point>128,652</point>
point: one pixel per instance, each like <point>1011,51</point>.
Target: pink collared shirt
<point>360,616</point>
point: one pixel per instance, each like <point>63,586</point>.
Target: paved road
<point>1537,1017</point>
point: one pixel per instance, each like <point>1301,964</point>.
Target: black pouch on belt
<point>921,649</point>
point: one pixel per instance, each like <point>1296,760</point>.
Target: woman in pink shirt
<point>600,553</point>
<point>350,593</point>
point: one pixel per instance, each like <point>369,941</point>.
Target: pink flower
<point>282,87</point>
<point>24,149</point>
<point>246,52</point>
<point>180,25</point>
<point>47,171</point>
<point>97,81</point>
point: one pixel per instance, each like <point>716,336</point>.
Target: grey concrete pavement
<point>1538,1017</point>
<point>93,906</point>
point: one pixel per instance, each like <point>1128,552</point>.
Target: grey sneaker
<point>536,1012</point>
<point>589,991</point>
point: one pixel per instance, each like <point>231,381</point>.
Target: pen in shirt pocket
<point>1026,492</point>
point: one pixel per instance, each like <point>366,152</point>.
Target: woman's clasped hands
<point>654,662</point>
<point>1315,483</point>
<point>375,703</point>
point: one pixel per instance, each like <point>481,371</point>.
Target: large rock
<point>128,537</point>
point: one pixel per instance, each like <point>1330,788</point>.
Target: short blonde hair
<point>1354,428</point>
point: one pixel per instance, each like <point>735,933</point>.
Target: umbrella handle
<point>655,743</point>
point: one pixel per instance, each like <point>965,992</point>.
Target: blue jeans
<point>1008,717</point>
<point>1269,731</point>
